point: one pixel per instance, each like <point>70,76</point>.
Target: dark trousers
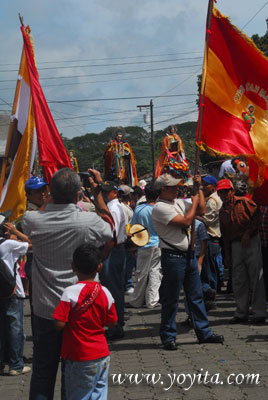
<point>179,271</point>
<point>130,264</point>
<point>209,267</point>
<point>112,276</point>
<point>46,357</point>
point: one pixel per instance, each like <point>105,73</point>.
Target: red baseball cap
<point>224,184</point>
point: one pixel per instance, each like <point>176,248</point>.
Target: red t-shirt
<point>86,307</point>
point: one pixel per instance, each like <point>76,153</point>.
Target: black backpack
<point>8,284</point>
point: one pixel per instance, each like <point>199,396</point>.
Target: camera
<point>84,178</point>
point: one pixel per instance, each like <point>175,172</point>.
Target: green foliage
<point>261,42</point>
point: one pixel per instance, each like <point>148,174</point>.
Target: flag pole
<point>201,109</point>
<point>10,130</point>
<point>203,84</point>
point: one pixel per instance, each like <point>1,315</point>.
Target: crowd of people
<point>81,262</point>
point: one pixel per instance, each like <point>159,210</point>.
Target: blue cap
<point>34,183</point>
<point>210,180</point>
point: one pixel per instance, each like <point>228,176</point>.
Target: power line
<point>117,111</point>
<point>113,58</point>
<point>110,80</point>
<point>118,98</point>
<point>254,15</point>
<point>112,73</point>
<point>180,83</point>
<point>101,114</point>
<point>115,99</point>
<point>177,116</point>
<point>109,65</point>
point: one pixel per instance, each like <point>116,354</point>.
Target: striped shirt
<point>55,233</point>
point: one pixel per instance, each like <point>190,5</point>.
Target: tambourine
<point>138,236</point>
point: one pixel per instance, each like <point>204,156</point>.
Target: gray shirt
<point>163,212</point>
<point>55,233</point>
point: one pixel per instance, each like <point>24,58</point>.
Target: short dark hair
<point>86,259</point>
<point>64,185</point>
<point>151,192</point>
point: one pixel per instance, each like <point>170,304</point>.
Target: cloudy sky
<point>115,55</point>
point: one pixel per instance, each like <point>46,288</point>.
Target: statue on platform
<point>73,161</point>
<point>248,116</point>
<point>119,161</point>
<point>172,158</point>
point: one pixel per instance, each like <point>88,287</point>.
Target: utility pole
<point>152,134</point>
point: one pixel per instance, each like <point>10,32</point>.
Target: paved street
<point>244,352</point>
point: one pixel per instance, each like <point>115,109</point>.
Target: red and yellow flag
<point>20,146</point>
<point>52,153</point>
<point>234,94</point>
<point>31,126</point>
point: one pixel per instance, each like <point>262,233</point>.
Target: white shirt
<point>163,212</point>
<point>128,212</point>
<point>117,212</point>
<point>10,251</point>
<point>211,217</point>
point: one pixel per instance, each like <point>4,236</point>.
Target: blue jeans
<point>87,380</point>
<point>46,357</point>
<point>210,267</point>
<point>179,271</point>
<point>12,329</point>
<point>112,276</point>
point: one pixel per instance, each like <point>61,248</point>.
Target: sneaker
<point>25,370</point>
<point>130,290</point>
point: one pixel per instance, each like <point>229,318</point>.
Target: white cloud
<point>99,29</point>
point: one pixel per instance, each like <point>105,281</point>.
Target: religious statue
<point>172,158</point>
<point>119,161</point>
<point>74,161</point>
<point>248,116</point>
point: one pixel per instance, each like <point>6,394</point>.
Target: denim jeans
<point>112,276</point>
<point>179,271</point>
<point>46,357</point>
<point>87,380</point>
<point>12,329</point>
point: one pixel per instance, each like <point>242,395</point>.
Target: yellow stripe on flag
<point>222,91</point>
<point>16,170</point>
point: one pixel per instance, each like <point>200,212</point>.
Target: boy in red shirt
<point>84,309</point>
